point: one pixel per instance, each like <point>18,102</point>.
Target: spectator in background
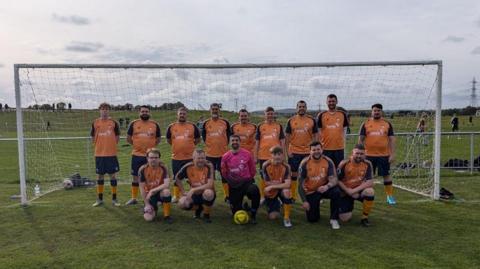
<point>69,106</point>
<point>1,107</point>
<point>454,122</point>
<point>7,107</point>
<point>470,119</point>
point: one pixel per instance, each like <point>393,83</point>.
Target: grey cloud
<point>72,19</point>
<point>79,46</point>
<point>454,39</point>
<point>476,51</point>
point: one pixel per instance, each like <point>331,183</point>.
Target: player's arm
<point>288,132</point>
<point>391,144</point>
<point>314,131</point>
<point>165,185</point>
<point>319,126</point>
<point>92,133</point>
<point>168,135</point>
<point>179,179</point>
<point>302,175</point>
<point>204,131</point>
<point>130,134</point>
<point>341,176</point>
<point>158,135</point>
<point>368,180</point>
<point>282,140</point>
<point>224,166</point>
<point>196,135</point>
<point>251,166</point>
<point>332,178</point>
<point>117,132</point>
<point>141,175</point>
<point>287,178</point>
<point>257,144</point>
<point>209,184</point>
<point>363,133</point>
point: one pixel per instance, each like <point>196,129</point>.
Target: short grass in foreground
<point>62,230</point>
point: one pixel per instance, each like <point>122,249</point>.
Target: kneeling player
<point>154,186</point>
<point>238,168</point>
<point>318,180</point>
<point>277,177</point>
<point>356,180</point>
<point>200,175</point>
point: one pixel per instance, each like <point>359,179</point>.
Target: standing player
<point>269,134</point>
<point>154,186</point>
<point>142,134</point>
<point>277,174</point>
<point>301,130</point>
<point>355,177</point>
<point>215,133</point>
<point>377,135</point>
<point>105,134</point>
<point>200,176</point>
<point>318,180</point>
<point>331,124</point>
<point>246,130</point>
<point>182,136</point>
<point>238,168</point>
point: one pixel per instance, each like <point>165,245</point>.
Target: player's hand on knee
<point>306,206</point>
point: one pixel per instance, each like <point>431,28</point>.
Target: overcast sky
<point>243,32</point>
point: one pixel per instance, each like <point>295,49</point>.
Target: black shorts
<point>106,165</point>
<point>295,161</point>
<point>346,203</point>
<point>381,164</point>
<point>177,165</point>
<point>247,188</point>
<point>335,155</point>
<point>137,161</point>
<point>198,200</point>
<point>216,162</point>
<point>157,198</point>
<point>273,204</point>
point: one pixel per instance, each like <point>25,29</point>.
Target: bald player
<point>331,129</point>
<point>183,136</point>
<point>105,135</point>
<point>355,178</point>
<point>301,130</point>
<point>200,176</point>
<point>216,133</point>
<point>142,134</point>
<point>246,130</point>
<point>377,135</point>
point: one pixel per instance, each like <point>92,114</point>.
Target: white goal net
<point>60,102</point>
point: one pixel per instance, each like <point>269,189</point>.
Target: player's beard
<point>358,159</point>
<point>235,146</point>
<point>145,117</point>
<point>377,117</point>
<point>301,112</point>
<point>215,115</point>
<point>182,119</point>
<point>315,156</point>
<point>332,107</point>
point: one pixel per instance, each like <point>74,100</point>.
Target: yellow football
<point>241,217</point>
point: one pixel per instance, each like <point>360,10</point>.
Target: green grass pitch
<point>62,230</point>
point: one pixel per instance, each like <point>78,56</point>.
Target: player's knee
<point>345,216</point>
<point>208,195</point>
<point>165,193</point>
<point>368,192</point>
<point>273,215</point>
<point>183,203</point>
<point>287,193</point>
<point>148,213</point>
<point>253,190</point>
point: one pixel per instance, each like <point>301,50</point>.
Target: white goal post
<point>234,84</point>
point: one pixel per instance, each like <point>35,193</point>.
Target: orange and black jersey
<point>302,130</point>
<point>182,137</point>
<point>353,174</point>
<point>274,174</point>
<point>377,133</point>
<point>247,133</point>
<point>331,125</point>
<point>152,176</point>
<point>104,133</point>
<point>215,134</point>
<point>144,135</point>
<point>314,174</point>
<point>268,135</point>
<point>196,176</point>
